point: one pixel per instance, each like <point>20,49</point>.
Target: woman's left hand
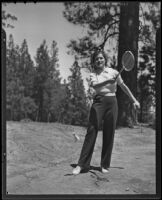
<point>136,104</point>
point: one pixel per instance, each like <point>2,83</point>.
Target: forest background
<point>35,90</point>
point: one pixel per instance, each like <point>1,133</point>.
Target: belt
<point>109,94</point>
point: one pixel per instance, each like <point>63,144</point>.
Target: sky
<point>39,21</point>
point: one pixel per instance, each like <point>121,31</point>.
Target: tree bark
<point>158,80</point>
<point>128,40</point>
<point>157,124</point>
<point>40,108</point>
<point>3,71</point>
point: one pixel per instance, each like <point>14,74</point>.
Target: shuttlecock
<point>76,137</point>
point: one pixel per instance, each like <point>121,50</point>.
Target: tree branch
<point>109,26</point>
<point>105,40</point>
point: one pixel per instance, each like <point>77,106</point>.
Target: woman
<point>103,112</point>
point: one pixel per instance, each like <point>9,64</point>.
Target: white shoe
<point>104,170</point>
<point>77,170</point>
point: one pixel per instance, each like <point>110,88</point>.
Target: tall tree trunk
<point>40,109</point>
<point>158,78</point>
<point>48,116</point>
<point>37,113</point>
<point>128,40</point>
<point>158,106</point>
<point>3,70</point>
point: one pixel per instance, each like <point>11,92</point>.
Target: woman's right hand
<point>136,104</point>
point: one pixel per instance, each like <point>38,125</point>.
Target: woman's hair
<point>93,57</point>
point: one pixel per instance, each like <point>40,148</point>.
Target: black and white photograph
<point>81,99</point>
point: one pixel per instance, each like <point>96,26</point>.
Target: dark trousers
<point>103,114</point>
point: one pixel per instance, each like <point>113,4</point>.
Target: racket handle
<point>119,73</point>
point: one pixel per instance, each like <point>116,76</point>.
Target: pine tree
<point>65,105</point>
<point>14,87</point>
<point>79,100</point>
<point>107,20</point>
<point>75,105</point>
<point>147,65</point>
<point>128,40</point>
<point>146,81</point>
<point>42,65</point>
<point>26,69</point>
<point>19,76</point>
<point>47,83</point>
<point>53,93</point>
<point>100,19</point>
<point>26,73</point>
<point>157,124</point>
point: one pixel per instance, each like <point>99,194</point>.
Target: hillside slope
<point>41,157</point>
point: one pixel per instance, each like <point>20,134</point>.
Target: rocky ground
<point>41,157</point>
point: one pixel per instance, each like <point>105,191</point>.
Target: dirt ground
<point>41,157</point>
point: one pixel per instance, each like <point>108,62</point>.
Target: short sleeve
<point>119,80</point>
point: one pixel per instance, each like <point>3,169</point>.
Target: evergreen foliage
<point>35,91</point>
<point>19,81</point>
<point>47,83</point>
<point>75,104</point>
<point>7,16</point>
<point>101,20</point>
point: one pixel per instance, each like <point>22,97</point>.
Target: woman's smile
<point>100,61</point>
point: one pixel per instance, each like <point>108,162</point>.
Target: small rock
<point>127,189</point>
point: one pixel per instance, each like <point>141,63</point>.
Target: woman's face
<point>99,61</point>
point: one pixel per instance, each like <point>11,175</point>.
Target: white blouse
<point>107,74</point>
